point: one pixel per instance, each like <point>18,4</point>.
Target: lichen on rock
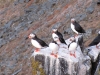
<point>36,67</point>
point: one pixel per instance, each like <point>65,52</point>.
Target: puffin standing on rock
<point>36,42</point>
<point>58,37</point>
<point>54,47</point>
<point>96,41</point>
<point>76,27</point>
<point>72,48</point>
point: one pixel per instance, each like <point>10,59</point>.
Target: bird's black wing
<point>61,37</point>
<point>78,28</point>
<point>41,42</point>
<point>62,40</point>
<point>59,34</point>
<point>54,42</point>
<point>95,41</point>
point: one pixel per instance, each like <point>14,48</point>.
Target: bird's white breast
<point>54,47</point>
<point>55,37</point>
<point>73,46</point>
<point>35,44</point>
<point>73,28</point>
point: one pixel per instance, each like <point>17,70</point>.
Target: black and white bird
<point>36,42</point>
<point>54,47</point>
<point>76,27</point>
<point>98,2</point>
<point>96,41</point>
<point>58,37</point>
<point>72,48</point>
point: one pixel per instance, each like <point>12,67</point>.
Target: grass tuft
<point>35,67</point>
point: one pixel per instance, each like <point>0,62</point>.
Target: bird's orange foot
<point>75,35</point>
<point>55,55</point>
<point>73,55</point>
<point>37,50</point>
<point>52,53</point>
<point>97,47</point>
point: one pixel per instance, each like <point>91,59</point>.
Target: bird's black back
<point>59,34</point>
<point>78,27</point>
<point>95,41</point>
<point>41,42</point>
<point>60,37</point>
<point>62,40</point>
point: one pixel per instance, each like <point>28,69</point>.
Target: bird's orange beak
<point>52,32</point>
<point>29,36</point>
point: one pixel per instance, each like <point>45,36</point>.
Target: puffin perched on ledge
<point>96,41</point>
<point>54,47</point>
<point>58,37</point>
<point>72,47</point>
<point>36,42</point>
<point>76,27</point>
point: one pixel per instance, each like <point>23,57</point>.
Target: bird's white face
<point>54,30</point>
<point>72,20</point>
<point>99,32</point>
<point>56,38</point>
<point>31,35</point>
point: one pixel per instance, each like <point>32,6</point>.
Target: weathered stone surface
<point>97,72</point>
<point>21,1</point>
<point>94,54</point>
<point>95,65</point>
<point>80,17</point>
<point>88,33</point>
<point>68,31</point>
<point>91,8</point>
<point>64,64</point>
<point>57,25</point>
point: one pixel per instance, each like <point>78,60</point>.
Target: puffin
<point>58,37</point>
<point>98,2</point>
<point>54,47</point>
<point>96,41</point>
<point>36,42</point>
<point>75,26</point>
<point>72,48</point>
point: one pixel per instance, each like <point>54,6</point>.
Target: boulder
<point>94,54</point>
<point>64,64</point>
<point>97,72</point>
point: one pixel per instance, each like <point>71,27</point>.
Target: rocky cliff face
<point>64,64</point>
<point>18,18</point>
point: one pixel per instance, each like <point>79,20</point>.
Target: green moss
<point>35,67</point>
<point>99,72</point>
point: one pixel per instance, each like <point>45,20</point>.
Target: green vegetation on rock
<point>36,67</point>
